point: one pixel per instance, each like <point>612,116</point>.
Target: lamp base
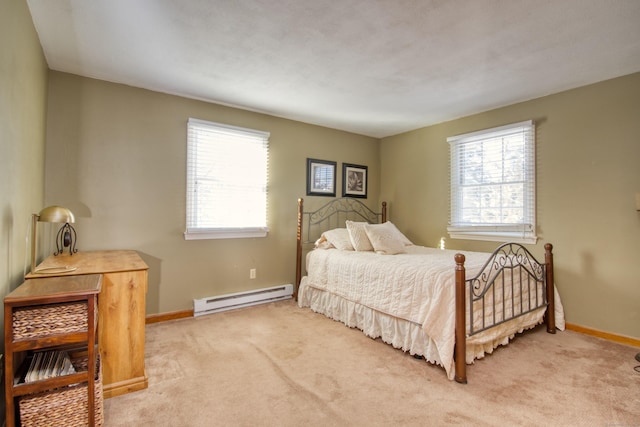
<point>66,238</point>
<point>54,270</point>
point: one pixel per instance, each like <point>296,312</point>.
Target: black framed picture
<point>354,180</point>
<point>321,178</point>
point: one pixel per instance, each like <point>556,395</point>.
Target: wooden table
<point>121,311</point>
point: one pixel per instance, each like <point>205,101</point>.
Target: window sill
<point>494,236</point>
<point>225,233</point>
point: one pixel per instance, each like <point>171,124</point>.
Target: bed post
<point>298,250</point>
<point>551,314</point>
<point>461,327</point>
<point>384,212</point>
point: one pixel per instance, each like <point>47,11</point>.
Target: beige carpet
<point>279,365</point>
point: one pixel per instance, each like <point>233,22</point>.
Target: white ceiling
<point>373,67</point>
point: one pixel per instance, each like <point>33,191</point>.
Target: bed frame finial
<point>298,250</point>
<point>461,327</point>
<point>384,212</point>
<point>550,315</point>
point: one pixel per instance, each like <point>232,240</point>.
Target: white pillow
<point>358,236</point>
<point>392,228</point>
<point>384,238</point>
<point>339,238</point>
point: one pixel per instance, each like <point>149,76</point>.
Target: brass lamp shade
<point>56,214</point>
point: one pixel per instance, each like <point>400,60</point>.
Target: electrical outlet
<point>252,273</point>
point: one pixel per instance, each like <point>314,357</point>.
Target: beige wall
<point>588,171</point>
<point>23,91</point>
<point>116,156</point>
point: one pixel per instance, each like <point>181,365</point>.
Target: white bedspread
<point>417,287</point>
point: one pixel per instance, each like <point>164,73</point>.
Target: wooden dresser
<point>121,311</point>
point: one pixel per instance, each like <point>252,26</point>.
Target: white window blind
<point>493,184</point>
<point>227,172</point>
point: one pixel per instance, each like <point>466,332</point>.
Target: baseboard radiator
<point>241,299</point>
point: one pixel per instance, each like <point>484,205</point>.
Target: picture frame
<point>354,180</point>
<point>321,177</point>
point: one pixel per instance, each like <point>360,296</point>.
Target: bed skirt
<point>410,336</point>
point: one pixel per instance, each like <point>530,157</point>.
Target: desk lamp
<point>66,235</point>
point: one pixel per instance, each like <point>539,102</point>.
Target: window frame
<point>522,232</point>
<point>200,233</point>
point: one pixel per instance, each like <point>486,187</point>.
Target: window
<point>226,181</point>
<point>493,184</point>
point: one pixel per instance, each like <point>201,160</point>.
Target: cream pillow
<point>392,228</point>
<point>358,236</point>
<point>339,238</point>
<point>385,238</point>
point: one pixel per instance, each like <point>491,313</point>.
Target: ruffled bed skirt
<point>409,336</point>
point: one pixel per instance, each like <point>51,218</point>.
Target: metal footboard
<point>511,284</point>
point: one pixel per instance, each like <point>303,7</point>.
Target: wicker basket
<point>65,406</point>
<point>50,319</point>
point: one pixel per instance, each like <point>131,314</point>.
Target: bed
<point>447,307</point>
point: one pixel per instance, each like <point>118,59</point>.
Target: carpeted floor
<point>279,365</point>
